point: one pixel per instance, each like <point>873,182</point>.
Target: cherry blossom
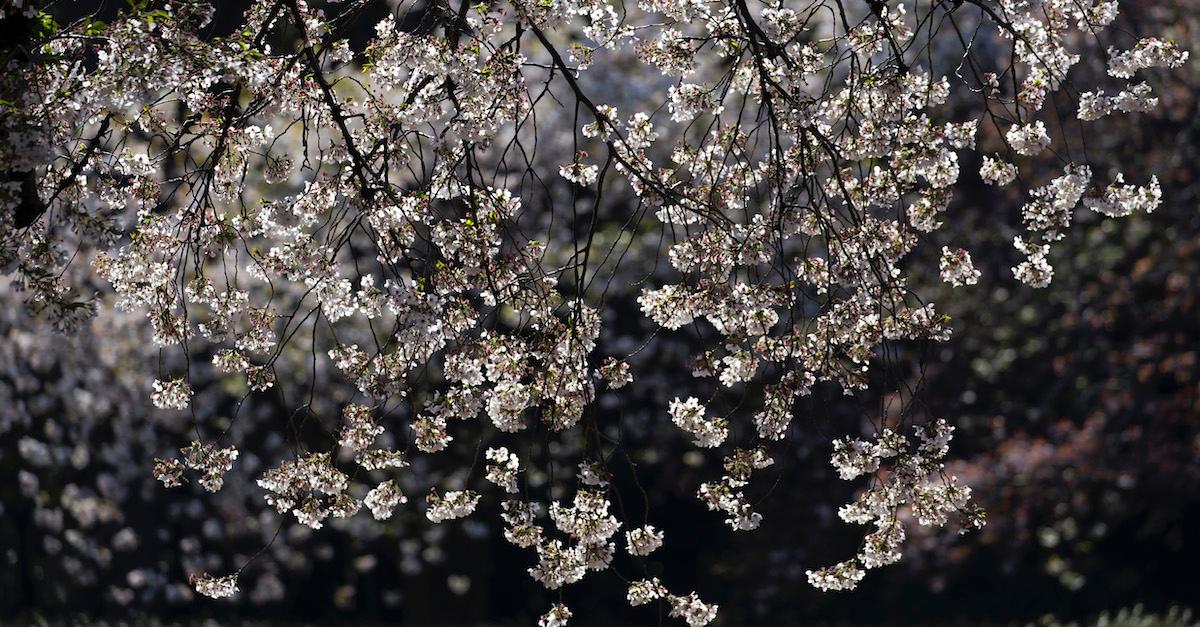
<point>383,209</point>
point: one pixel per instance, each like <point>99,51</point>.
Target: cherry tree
<point>445,220</point>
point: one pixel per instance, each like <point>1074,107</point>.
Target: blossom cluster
<point>375,203</point>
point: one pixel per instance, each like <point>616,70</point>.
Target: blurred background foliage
<point>1077,408</point>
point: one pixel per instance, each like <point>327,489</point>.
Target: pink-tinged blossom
<point>956,267</point>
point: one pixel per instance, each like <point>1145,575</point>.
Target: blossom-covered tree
<point>421,240</point>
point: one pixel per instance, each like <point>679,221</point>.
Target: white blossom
<point>383,499</point>
<point>1028,139</point>
<point>215,587</point>
<point>556,617</point>
<point>173,394</point>
<point>502,468</point>
<point>1149,52</point>
<point>692,610</point>
<point>996,172</point>
<point>956,267</point>
<point>840,576</point>
<point>454,504</point>
<point>689,416</point>
<point>643,540</point>
<point>644,591</point>
<point>1121,200</point>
